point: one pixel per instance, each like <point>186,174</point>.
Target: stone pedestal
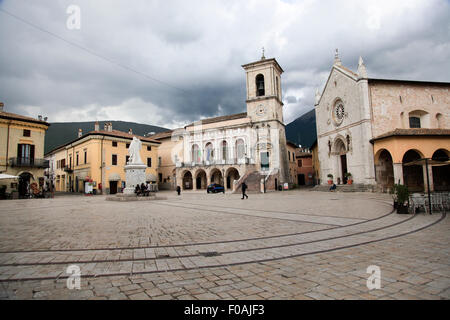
<point>134,175</point>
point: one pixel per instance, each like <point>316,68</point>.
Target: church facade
<point>249,146</point>
<point>373,129</point>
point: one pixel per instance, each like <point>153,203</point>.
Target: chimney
<point>45,119</point>
<point>39,117</point>
<point>80,133</point>
<point>110,127</point>
<point>130,131</point>
<point>1,106</point>
<point>96,126</point>
<point>105,126</point>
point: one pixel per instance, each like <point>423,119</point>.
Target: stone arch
<point>25,178</point>
<point>232,174</point>
<point>384,169</point>
<point>340,159</point>
<point>413,174</point>
<point>216,176</point>
<point>441,173</point>
<point>186,177</point>
<point>260,86</point>
<point>419,119</point>
<point>201,181</point>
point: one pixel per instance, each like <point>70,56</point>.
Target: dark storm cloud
<point>194,50</point>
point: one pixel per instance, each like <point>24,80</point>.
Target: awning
<point>431,162</point>
<point>114,177</point>
<point>150,177</point>
<point>7,176</point>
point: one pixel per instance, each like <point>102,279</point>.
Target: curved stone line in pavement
<point>178,264</point>
<point>270,215</point>
<point>189,244</point>
<point>190,250</point>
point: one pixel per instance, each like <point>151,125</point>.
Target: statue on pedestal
<point>134,151</point>
<point>135,168</point>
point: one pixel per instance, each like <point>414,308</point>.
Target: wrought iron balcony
<point>29,162</point>
<point>68,169</point>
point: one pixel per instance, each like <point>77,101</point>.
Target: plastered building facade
<point>375,128</point>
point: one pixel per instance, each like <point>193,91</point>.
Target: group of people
<point>142,190</point>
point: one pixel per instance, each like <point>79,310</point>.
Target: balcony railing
<point>68,169</point>
<point>29,162</point>
<point>214,162</point>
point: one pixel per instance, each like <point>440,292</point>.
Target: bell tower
<point>265,109</point>
<point>264,90</point>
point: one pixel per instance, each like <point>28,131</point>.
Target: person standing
<point>178,190</point>
<point>244,188</point>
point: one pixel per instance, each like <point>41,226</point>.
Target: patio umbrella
<point>7,176</point>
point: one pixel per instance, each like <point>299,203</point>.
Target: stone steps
<point>346,188</point>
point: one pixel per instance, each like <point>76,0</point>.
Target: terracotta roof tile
<point>413,132</point>
<point>162,135</point>
<point>121,134</point>
<point>14,116</point>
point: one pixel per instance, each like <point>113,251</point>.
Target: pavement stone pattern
<point>281,245</point>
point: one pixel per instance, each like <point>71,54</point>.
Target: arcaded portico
<point>196,178</point>
<point>395,149</point>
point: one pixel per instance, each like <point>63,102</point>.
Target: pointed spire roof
<point>362,71</point>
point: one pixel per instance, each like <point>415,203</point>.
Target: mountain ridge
<point>60,133</point>
<point>302,131</point>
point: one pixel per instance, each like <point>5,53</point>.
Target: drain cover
<point>209,254</point>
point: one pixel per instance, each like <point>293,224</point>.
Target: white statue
<point>135,151</point>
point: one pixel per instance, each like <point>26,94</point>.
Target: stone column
<point>398,173</point>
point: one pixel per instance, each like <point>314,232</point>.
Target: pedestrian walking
<point>178,190</point>
<point>244,188</point>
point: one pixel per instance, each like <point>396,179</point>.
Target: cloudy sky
<point>171,62</point>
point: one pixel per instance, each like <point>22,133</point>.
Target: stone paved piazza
<point>283,245</point>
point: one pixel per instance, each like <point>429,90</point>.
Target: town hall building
<point>248,146</point>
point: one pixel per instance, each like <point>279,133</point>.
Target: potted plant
<point>348,175</point>
<point>330,179</point>
<point>402,195</point>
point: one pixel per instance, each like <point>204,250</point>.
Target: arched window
<point>278,88</point>
<point>439,120</point>
<point>224,150</point>
<point>196,154</point>
<point>419,119</point>
<point>260,89</point>
<point>240,149</point>
<point>209,151</point>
